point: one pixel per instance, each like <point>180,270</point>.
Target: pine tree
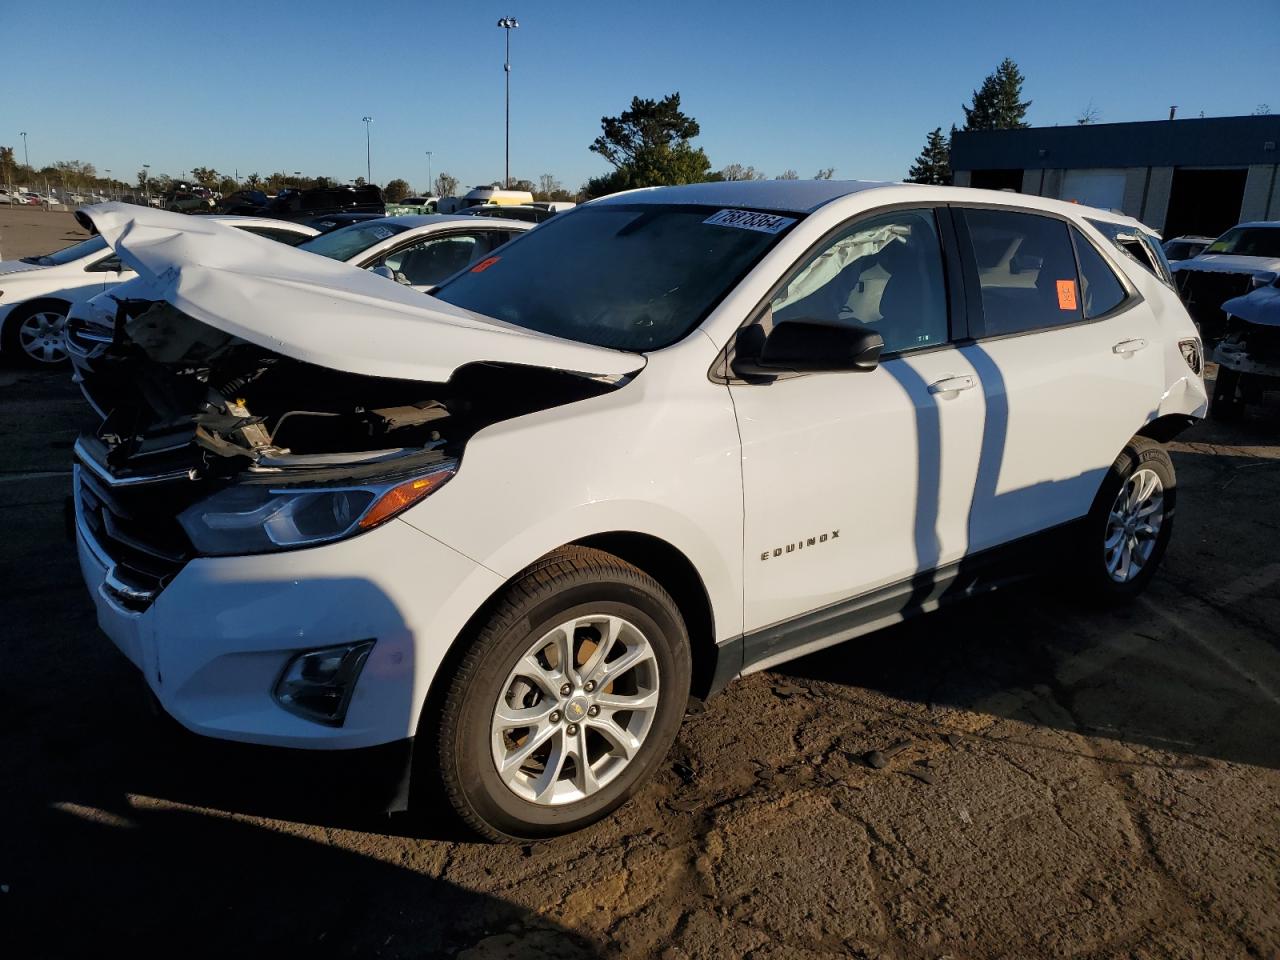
<point>997,104</point>
<point>934,163</point>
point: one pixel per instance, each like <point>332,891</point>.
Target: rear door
<point>1068,357</point>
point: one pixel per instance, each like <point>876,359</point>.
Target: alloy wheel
<point>575,710</point>
<point>40,336</point>
<point>1133,525</point>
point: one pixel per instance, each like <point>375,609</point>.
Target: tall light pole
<point>110,185</point>
<point>508,24</point>
<point>430,186</point>
<point>368,151</point>
<point>26,160</point>
<point>146,182</point>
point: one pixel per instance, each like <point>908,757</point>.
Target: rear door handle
<point>952,384</point>
<point>1128,346</point>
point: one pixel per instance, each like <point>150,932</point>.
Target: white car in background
<point>418,250</point>
<point>664,439</point>
<point>37,293</point>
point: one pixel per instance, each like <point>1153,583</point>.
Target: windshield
<point>1248,242</point>
<point>348,242</point>
<point>70,254</point>
<point>1182,249</point>
<point>628,276</point>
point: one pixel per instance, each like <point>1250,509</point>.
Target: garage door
<point>1096,188</point>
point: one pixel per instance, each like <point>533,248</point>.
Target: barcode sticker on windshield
<point>750,220</point>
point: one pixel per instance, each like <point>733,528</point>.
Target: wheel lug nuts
<point>572,729</point>
<point>566,690</point>
<point>555,716</point>
<point>589,686</point>
<point>593,711</point>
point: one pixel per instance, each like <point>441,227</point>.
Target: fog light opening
<point>317,685</point>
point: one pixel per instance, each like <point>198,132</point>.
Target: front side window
<point>1100,290</point>
<point>885,274</point>
<point>434,259</point>
<point>629,276</point>
<point>1026,271</point>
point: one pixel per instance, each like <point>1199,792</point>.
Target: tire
<point>1114,559</point>
<point>550,791</point>
<point>32,333</point>
<point>1226,404</point>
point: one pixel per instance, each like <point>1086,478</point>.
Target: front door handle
<point>952,384</point>
<point>1126,347</point>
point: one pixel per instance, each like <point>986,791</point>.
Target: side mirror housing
<point>811,346</point>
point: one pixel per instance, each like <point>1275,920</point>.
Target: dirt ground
<point>1071,783</point>
<point>29,231</point>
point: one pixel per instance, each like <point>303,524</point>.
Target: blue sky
<point>856,86</point>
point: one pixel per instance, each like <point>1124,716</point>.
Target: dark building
<point>1178,176</point>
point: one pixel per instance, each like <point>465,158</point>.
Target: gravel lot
<point>1070,783</point>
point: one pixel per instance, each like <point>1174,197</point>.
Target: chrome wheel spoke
<point>647,700</point>
<point>507,717</point>
<point>516,758</point>
<point>620,740</point>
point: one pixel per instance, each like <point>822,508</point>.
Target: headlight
<point>258,518</point>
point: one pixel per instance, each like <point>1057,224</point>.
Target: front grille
<point>1204,293</point>
<point>134,527</point>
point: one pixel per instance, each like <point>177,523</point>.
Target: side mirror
<point>383,270</point>
<point>811,346</point>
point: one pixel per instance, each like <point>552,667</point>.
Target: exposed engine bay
<point>177,393</point>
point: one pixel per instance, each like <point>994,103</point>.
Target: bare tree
<point>736,171</point>
<point>824,173</point>
<point>1088,115</point>
<point>1262,110</point>
<point>446,185</point>
<point>788,174</point>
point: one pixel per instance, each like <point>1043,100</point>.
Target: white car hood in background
<point>17,266</point>
<point>1230,263</point>
<point>321,311</point>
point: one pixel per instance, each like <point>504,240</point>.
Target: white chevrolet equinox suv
<point>501,535</point>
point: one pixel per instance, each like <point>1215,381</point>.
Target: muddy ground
<point>1073,783</point>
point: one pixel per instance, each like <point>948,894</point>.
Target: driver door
<point>856,482</point>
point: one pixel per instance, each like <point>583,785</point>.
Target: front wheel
<point>566,699</point>
<point>1129,525</point>
<point>34,334</point>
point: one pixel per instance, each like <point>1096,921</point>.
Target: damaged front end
<point>254,397</point>
<point>1248,356</point>
<point>213,446</point>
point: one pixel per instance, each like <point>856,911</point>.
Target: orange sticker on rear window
<point>485,264</point>
<point>1066,294</point>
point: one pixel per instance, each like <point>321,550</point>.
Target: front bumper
<point>212,643</point>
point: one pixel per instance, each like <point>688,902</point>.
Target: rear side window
<point>1026,271</point>
<point>1100,289</point>
<point>290,238</point>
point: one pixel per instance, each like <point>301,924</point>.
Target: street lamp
<point>508,24</point>
<point>430,185</point>
<point>368,151</point>
<point>146,182</point>
<point>110,185</point>
<point>26,160</point>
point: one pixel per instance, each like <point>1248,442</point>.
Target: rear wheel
<point>33,333</point>
<point>566,699</point>
<point>1129,525</point>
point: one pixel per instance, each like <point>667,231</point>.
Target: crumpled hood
<point>320,311</point>
<point>17,266</point>
<point>1230,263</point>
<point>1261,306</point>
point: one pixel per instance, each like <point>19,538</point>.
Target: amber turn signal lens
<point>403,496</point>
